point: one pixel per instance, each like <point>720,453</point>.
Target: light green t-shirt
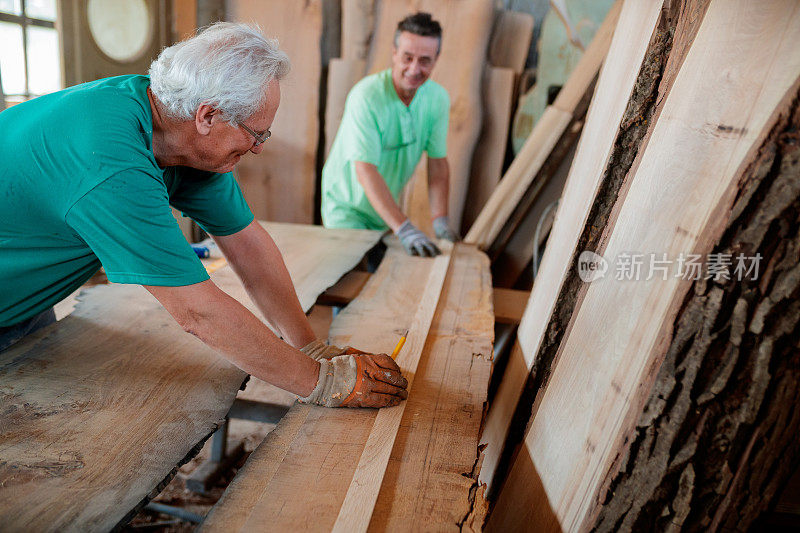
<point>80,187</point>
<point>378,128</point>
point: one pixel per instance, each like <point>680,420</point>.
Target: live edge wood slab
<point>100,409</point>
<point>298,477</point>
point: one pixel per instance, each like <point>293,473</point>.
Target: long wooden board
<point>632,34</point>
<point>101,408</point>
<point>542,139</point>
<point>487,161</point>
<point>342,75</point>
<point>511,40</point>
<point>298,478</point>
<point>359,501</point>
<point>280,182</point>
<point>721,105</point>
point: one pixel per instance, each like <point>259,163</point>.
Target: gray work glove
<point>442,229</point>
<point>318,350</point>
<point>415,242</point>
<point>358,381</point>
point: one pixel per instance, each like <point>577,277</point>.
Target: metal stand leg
<point>204,477</point>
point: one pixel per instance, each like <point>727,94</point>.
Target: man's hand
<point>442,229</point>
<point>318,350</point>
<point>358,380</point>
<point>415,242</point>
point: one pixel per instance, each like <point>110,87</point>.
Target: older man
<point>389,119</point>
<point>89,175</point>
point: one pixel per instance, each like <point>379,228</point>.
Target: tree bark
<point>717,439</point>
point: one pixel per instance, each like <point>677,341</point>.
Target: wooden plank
<point>509,304</point>
<point>324,451</point>
<point>542,139</point>
<point>184,19</point>
<point>511,40</point>
<point>359,501</point>
<point>280,182</point>
<point>636,24</point>
<point>720,107</point>
<point>342,75</point>
<point>358,20</point>
<point>345,290</point>
<point>466,26</point>
<point>518,177</point>
<point>490,153</point>
<point>303,245</point>
<point>432,470</point>
<point>101,408</point>
<point>512,252</point>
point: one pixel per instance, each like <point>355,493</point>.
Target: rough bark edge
<point>713,448</point>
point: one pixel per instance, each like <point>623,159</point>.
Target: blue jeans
<point>11,334</point>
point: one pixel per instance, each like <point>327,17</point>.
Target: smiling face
<point>221,144</point>
<point>413,58</point>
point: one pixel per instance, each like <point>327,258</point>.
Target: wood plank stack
<point>508,51</point>
<point>100,409</point>
<point>505,227</point>
<point>667,399</point>
<point>299,476</point>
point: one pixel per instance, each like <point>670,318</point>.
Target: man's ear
<point>204,119</point>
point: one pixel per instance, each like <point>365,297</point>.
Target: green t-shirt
<point>378,128</point>
<point>80,187</point>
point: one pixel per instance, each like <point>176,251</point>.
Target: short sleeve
<point>128,224</point>
<point>214,201</point>
<point>360,130</point>
<point>437,142</point>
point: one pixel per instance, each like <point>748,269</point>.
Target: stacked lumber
<point>667,401</point>
<point>524,170</point>
<point>101,408</point>
<point>508,51</point>
<point>308,470</point>
<point>280,183</point>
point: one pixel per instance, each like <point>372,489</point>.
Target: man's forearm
<point>224,324</point>
<point>379,195</point>
<point>438,186</point>
<point>259,264</point>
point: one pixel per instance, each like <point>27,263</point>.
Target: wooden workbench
<point>100,409</point>
<point>298,477</point>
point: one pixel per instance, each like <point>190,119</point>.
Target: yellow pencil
<point>400,344</point>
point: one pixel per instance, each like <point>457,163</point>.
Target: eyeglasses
<point>259,137</point>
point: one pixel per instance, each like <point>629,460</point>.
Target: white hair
<point>228,66</point>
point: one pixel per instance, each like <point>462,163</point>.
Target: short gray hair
<point>228,66</point>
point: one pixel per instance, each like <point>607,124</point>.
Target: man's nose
<point>257,149</point>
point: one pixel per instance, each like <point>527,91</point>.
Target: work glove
<point>415,242</point>
<point>318,350</point>
<point>442,229</point>
<point>358,381</point>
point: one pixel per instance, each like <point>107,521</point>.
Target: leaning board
<point>103,406</point>
<point>739,68</point>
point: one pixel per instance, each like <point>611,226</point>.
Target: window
<point>30,63</point>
